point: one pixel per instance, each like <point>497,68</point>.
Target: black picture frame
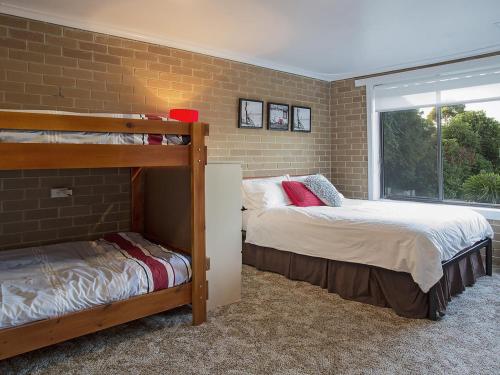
<point>284,123</point>
<point>301,122</point>
<point>245,121</point>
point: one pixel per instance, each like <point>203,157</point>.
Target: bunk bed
<point>191,157</point>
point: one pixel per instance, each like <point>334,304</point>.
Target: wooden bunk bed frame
<point>13,156</point>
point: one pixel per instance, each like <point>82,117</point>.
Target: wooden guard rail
<point>52,155</point>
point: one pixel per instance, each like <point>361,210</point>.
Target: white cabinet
<point>223,232</point>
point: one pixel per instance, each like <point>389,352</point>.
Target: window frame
<point>375,191</point>
<point>439,167</point>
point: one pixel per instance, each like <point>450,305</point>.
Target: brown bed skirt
<point>370,284</point>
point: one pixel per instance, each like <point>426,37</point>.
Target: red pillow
<point>300,195</point>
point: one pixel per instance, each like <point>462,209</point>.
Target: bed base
<point>488,245</point>
<point>329,275</point>
<point>36,335</point>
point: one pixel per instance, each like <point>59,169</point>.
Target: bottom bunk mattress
<point>48,281</point>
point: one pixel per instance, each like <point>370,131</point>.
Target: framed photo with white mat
<point>251,114</point>
<point>278,116</point>
<point>301,119</point>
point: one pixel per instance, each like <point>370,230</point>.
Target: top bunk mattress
<point>49,281</point>
<point>20,136</point>
<point>68,137</point>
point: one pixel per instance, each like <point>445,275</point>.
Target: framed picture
<point>251,114</point>
<point>278,116</point>
<point>301,119</point>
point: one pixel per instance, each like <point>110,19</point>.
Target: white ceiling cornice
<point>104,29</point>
<point>122,31</point>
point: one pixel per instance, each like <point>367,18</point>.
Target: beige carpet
<point>286,327</point>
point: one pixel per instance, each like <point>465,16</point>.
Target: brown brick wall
<point>496,242</point>
<point>349,139</point>
<point>45,66</point>
<point>100,204</point>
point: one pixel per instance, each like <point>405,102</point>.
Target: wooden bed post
<point>198,161</point>
<point>137,199</point>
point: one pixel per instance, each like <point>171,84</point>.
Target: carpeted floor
<point>286,327</point>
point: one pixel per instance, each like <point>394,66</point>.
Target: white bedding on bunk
<point>406,237</point>
<point>48,281</point>
<point>67,137</point>
<point>18,136</point>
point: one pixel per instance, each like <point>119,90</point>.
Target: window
<point>434,134</point>
<point>409,154</point>
<point>471,144</point>
<point>448,153</point>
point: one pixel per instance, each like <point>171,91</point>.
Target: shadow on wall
<point>28,216</point>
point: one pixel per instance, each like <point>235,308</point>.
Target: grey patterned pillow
<point>324,190</point>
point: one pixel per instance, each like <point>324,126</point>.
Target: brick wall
<point>46,66</point>
<point>496,243</point>
<point>100,204</point>
<point>349,139</point>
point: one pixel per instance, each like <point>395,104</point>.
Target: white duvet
<point>406,237</point>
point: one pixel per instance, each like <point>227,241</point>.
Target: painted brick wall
<point>100,204</point>
<point>45,66</point>
<point>349,139</point>
<point>496,243</point>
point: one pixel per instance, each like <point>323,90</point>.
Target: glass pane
<point>410,153</point>
<point>471,142</point>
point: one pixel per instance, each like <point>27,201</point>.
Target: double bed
<point>412,257</point>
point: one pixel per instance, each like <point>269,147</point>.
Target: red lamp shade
<point>186,115</point>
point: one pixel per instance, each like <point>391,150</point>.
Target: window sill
<point>489,213</point>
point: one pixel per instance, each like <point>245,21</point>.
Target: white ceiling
<point>327,39</point>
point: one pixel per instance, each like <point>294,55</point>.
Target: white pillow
<point>303,179</point>
<point>298,178</point>
<point>264,193</point>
